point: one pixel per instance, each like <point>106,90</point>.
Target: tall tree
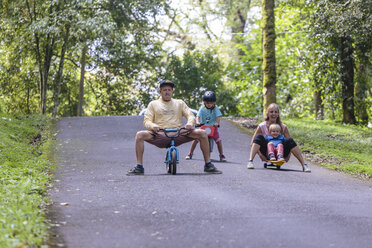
<point>60,70</point>
<point>268,53</point>
<point>82,77</point>
<point>341,26</point>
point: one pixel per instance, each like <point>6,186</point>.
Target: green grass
<point>338,146</point>
<point>24,175</point>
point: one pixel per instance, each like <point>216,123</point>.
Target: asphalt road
<point>96,205</point>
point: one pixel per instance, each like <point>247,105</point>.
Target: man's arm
<point>149,117</point>
<point>188,115</point>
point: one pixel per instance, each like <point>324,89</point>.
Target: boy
<point>275,148</point>
<point>209,114</point>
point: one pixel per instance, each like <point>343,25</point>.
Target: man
<point>167,112</point>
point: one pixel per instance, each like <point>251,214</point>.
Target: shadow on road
<point>178,174</point>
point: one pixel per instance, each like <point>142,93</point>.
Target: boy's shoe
<point>135,171</point>
<point>306,168</point>
<point>210,168</point>
<point>280,157</point>
<point>222,158</point>
<point>250,165</point>
<point>272,157</point>
<point>189,156</point>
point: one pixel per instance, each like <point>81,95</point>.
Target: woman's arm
<point>286,132</point>
<point>258,131</point>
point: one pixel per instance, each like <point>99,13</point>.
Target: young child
<point>209,114</point>
<point>275,148</point>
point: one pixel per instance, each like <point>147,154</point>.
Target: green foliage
<point>331,20</point>
<point>24,174</point>
<point>339,146</point>
<point>122,41</point>
<point>197,72</point>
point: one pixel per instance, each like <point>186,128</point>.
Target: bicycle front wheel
<point>173,164</point>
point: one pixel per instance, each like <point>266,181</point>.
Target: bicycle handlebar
<point>169,130</point>
<point>202,124</point>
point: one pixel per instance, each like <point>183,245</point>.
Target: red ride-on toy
<point>210,131</point>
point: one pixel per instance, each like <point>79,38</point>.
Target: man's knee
<point>142,135</point>
<point>198,134</point>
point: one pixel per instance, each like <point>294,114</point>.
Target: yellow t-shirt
<point>167,114</point>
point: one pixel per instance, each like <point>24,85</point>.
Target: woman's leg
<point>259,147</point>
<point>297,153</point>
<point>254,150</point>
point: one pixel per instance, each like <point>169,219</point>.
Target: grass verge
<point>338,146</point>
<point>24,175</point>
<point>342,147</point>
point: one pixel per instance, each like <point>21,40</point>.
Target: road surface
<point>96,205</point>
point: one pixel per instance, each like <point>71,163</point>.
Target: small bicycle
<point>172,155</point>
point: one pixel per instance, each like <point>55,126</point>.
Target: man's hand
<point>155,129</point>
<point>188,127</point>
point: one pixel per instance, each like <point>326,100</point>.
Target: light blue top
<point>276,141</point>
<point>209,116</point>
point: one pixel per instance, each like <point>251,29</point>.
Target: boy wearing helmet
<point>209,114</point>
<point>163,113</point>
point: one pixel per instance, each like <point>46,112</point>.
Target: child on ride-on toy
<point>209,114</point>
<point>275,148</point>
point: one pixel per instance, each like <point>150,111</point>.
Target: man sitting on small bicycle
<point>167,112</point>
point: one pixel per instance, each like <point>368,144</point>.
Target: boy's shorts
<point>216,135</point>
<point>160,140</point>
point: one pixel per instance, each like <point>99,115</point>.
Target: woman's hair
<point>272,106</point>
<point>275,126</point>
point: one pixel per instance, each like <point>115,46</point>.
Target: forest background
<point>105,57</point>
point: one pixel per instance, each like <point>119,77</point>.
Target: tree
<point>268,53</point>
<point>341,26</point>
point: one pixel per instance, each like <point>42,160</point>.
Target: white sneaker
<point>250,165</point>
<point>306,168</point>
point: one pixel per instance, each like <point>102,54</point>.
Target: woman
<point>259,143</point>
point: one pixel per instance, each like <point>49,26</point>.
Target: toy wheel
<point>167,164</point>
<point>265,165</point>
<point>278,167</point>
<point>173,164</point>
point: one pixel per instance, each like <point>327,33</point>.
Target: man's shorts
<point>160,140</point>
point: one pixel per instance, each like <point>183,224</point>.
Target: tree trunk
<point>60,72</point>
<point>41,84</point>
<point>47,62</point>
<point>268,53</point>
<point>319,106</point>
<point>82,74</point>
<point>361,88</point>
<point>347,79</point>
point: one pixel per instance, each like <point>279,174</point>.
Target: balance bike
<point>172,155</point>
<point>210,131</point>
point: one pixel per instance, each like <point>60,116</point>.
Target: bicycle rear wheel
<point>173,164</point>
